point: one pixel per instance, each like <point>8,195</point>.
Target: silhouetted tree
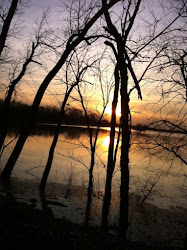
<point>93,134</point>
<point>6,19</point>
<point>31,57</point>
<point>125,52</point>
<point>122,68</point>
<point>79,73</point>
<point>172,87</point>
<point>173,65</point>
<point>111,154</point>
<point>78,36</point>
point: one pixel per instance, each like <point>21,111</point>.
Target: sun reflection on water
<point>105,141</point>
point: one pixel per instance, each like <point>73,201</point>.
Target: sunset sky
<point>150,104</point>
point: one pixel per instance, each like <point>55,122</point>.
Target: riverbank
<point>30,221</point>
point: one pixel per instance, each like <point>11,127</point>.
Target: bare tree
<point>10,25</point>
<point>122,67</point>
<point>73,41</point>
<point>172,88</point>
<point>7,19</point>
<point>94,133</point>
<point>174,143</point>
<point>125,53</point>
<point>174,61</point>
<point>79,73</point>
<point>111,155</point>
<point>32,55</point>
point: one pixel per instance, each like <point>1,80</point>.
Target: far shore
<point>140,128</point>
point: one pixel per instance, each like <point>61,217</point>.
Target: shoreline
<point>140,129</point>
<point>149,224</point>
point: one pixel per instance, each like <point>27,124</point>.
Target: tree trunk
<point>5,175</point>
<point>107,198</point>
<point>124,164</point>
<point>110,163</point>
<point>121,39</point>
<point>50,157</point>
<point>71,45</point>
<point>26,131</point>
<point>5,117</point>
<point>90,187</point>
<point>7,23</point>
<point>8,98</point>
<point>55,139</point>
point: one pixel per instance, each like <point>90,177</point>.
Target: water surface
<point>151,168</point>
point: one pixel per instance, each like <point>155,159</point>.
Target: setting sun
<point>108,111</point>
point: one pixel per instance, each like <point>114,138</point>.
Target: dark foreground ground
<point>24,227</point>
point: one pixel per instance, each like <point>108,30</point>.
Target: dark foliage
<point>19,113</point>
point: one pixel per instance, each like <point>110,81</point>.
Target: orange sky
<point>141,110</point>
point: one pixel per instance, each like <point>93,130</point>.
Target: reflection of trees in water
<point>164,155</point>
<point>74,132</point>
<point>155,161</point>
<point>44,130</point>
<point>77,132</point>
<point>162,144</point>
<point>49,129</point>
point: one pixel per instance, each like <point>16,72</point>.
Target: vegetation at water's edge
<point>19,113</point>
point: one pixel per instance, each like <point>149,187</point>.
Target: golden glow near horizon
<point>108,111</point>
<point>152,106</point>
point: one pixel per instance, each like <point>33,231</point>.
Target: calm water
<point>72,159</point>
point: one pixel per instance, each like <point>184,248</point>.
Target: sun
<point>108,111</point>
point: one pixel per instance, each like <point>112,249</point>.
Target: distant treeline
<point>19,113</point>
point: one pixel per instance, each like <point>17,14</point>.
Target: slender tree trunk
<point>7,23</point>
<point>90,187</point>
<point>50,157</point>
<point>124,164</point>
<point>55,139</point>
<point>45,206</point>
<point>5,112</point>
<point>107,197</point>
<point>26,131</point>
<point>121,39</point>
<point>71,45</point>
<point>5,175</point>
<point>183,72</point>
<point>8,97</point>
<point>110,162</point>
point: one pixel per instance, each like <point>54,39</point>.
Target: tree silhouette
<point>121,41</point>
<point>94,133</point>
<point>73,41</point>
<point>79,73</point>
<point>7,19</point>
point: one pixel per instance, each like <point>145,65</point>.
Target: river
<point>151,167</point>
